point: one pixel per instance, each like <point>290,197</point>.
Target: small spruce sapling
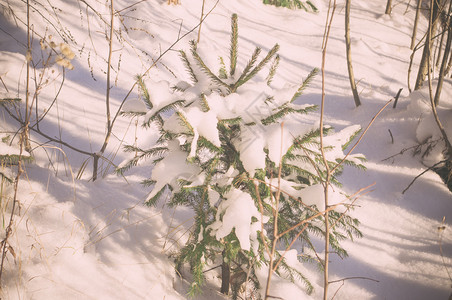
<point>293,4</point>
<point>218,154</point>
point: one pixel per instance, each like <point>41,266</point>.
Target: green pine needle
<point>206,69</point>
<point>305,84</point>
<point>246,70</point>
<point>259,67</point>
<point>285,110</point>
<point>273,69</point>
<point>204,104</point>
<point>188,67</point>
<point>169,107</point>
<point>234,44</point>
<point>144,91</point>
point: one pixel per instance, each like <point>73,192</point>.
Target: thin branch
<point>422,173</point>
<point>349,278</point>
<point>325,212</point>
<point>410,148</point>
<point>202,15</point>
<point>9,231</point>
<point>329,21</point>
<point>361,136</point>
<point>22,123</point>
<point>356,196</point>
<point>355,277</point>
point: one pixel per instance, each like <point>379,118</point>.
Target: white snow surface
<point>236,213</point>
<point>78,239</point>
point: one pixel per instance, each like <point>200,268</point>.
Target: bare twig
<point>422,173</point>
<point>277,236</point>
<point>349,278</point>
<point>23,143</point>
<point>396,99</point>
<point>348,52</point>
<point>355,277</point>
<point>107,95</point>
<point>415,147</point>
<point>202,15</point>
<point>9,231</point>
<point>361,136</point>
<point>326,182</point>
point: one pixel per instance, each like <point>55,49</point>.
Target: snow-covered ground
<point>78,239</point>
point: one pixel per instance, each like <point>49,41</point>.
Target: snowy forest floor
<point>78,239</point>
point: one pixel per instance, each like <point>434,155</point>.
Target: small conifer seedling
<point>229,145</point>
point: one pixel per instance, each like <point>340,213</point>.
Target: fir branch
<point>13,159</point>
<point>144,91</point>
<point>9,100</point>
<point>247,69</point>
<point>302,172</point>
<point>156,151</point>
<point>300,4</point>
<point>205,68</point>
<point>305,84</point>
<point>132,114</point>
<point>351,138</point>
<point>234,44</point>
<point>273,69</point>
<point>172,106</point>
<point>188,67</point>
<point>204,104</point>
<point>310,139</point>
<point>313,7</point>
<point>153,200</point>
<point>353,164</point>
<point>140,155</point>
<point>233,121</point>
<point>5,176</point>
<point>294,274</point>
<point>205,143</point>
<point>185,122</point>
<point>285,110</point>
<point>222,73</point>
<point>259,67</point>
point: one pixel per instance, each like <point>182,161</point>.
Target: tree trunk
<point>440,47</point>
<point>351,76</point>
<point>449,65</point>
<point>442,72</point>
<point>388,7</point>
<point>225,276</point>
<point>426,56</point>
<point>416,18</point>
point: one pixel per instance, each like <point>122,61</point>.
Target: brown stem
<point>416,18</point>
<point>442,72</point>
<point>361,136</point>
<point>23,145</point>
<point>430,90</point>
<point>348,52</point>
<point>202,15</point>
<point>328,173</point>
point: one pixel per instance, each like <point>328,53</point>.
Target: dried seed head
<point>66,50</point>
<point>65,63</point>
